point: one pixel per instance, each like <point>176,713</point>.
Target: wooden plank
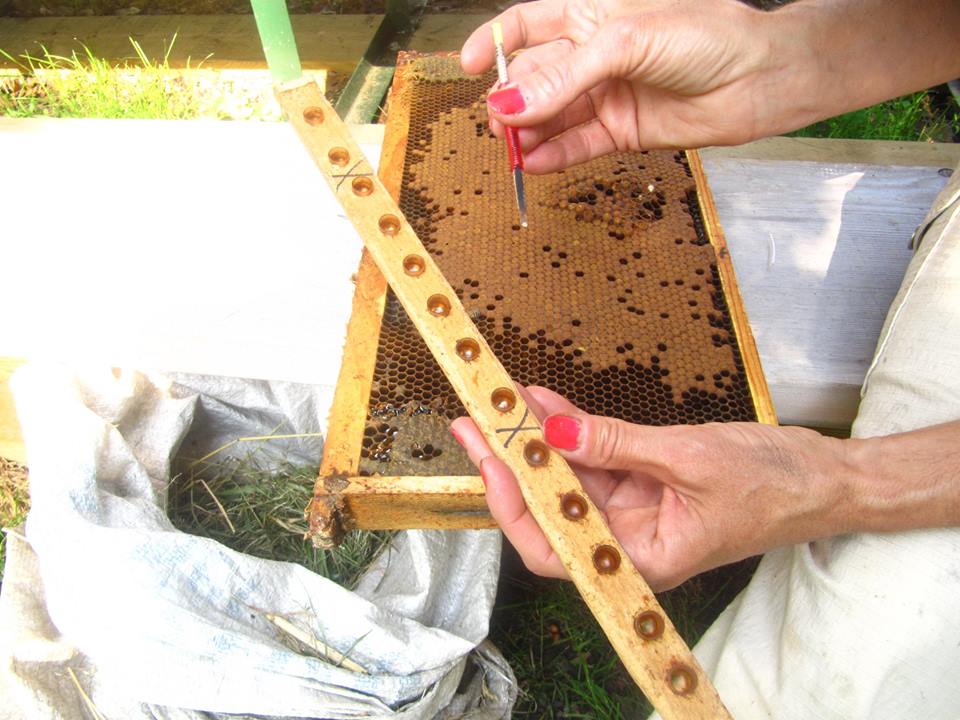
<point>397,503</point>
<point>341,447</point>
<point>11,438</point>
<point>332,42</point>
<point>832,151</point>
<point>394,147</point>
<point>446,31</point>
<point>820,249</point>
<point>342,443</point>
<point>653,652</point>
<point>327,515</point>
<point>731,291</point>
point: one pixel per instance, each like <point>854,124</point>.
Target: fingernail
<point>456,437</point>
<point>562,431</point>
<point>507,101</point>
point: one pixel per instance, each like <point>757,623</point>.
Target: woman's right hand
<point>605,75</point>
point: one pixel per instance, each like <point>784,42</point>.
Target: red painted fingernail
<point>562,431</point>
<point>507,101</point>
<point>456,437</point>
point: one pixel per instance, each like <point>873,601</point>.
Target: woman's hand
<point>680,499</point>
<point>616,75</point>
<point>604,75</point>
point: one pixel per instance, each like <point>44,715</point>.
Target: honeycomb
<point>610,297</point>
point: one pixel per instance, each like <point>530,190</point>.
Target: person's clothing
<point>866,626</point>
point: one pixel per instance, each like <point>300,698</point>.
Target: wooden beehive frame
<point>624,605</point>
<point>346,500</point>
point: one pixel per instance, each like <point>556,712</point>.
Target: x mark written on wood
<point>519,428</point>
<point>341,178</point>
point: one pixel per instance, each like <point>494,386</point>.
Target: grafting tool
<point>512,134</point>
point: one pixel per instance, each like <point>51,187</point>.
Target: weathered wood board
<point>332,42</point>
<point>11,439</point>
<point>821,243</point>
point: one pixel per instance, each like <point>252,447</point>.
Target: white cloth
<point>156,623</point>
<point>865,626</point>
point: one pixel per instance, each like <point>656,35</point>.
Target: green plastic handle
<point>276,35</point>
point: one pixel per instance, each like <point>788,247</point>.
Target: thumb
<point>607,443</point>
<point>543,93</point>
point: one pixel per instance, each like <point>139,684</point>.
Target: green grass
<point>14,502</point>
<point>84,86</point>
<point>908,118</point>
<point>260,512</point>
<point>564,664</point>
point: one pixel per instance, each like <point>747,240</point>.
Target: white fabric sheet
<point>865,626</point>
<point>160,624</point>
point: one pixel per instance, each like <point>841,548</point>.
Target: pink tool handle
<point>513,148</point>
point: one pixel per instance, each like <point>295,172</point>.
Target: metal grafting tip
<point>521,195</point>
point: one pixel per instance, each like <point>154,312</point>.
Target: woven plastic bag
<point>106,604</point>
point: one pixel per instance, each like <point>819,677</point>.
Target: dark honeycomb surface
<point>611,296</point>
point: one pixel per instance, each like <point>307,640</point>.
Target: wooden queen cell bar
<point>441,136</point>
